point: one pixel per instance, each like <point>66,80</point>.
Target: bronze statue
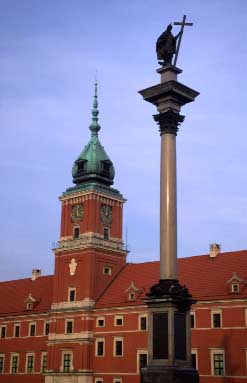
<point>166,46</point>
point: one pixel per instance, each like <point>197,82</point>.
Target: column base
<point>164,374</point>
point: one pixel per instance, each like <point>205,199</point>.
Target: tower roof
<point>93,164</point>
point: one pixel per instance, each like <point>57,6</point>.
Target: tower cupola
<point>93,164</point>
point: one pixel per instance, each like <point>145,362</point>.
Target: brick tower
<point>88,256</point>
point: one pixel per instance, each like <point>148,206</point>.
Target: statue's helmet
<point>169,27</point>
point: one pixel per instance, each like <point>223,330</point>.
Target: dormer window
<point>235,287</point>
<point>105,168</point>
<point>81,166</point>
<point>132,296</point>
<point>29,306</point>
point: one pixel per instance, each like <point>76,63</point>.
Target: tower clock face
<point>76,213</point>
<point>106,214</point>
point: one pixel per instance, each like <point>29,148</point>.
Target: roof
<point>206,278</point>
<point>14,294</point>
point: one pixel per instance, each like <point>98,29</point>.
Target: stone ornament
<point>72,267</point>
<point>77,213</point>
<point>106,214</point>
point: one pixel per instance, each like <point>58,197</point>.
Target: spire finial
<point>94,126</point>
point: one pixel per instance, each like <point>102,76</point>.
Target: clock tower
<point>89,253</point>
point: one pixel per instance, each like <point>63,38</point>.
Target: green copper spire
<point>93,164</point>
<point>95,127</point>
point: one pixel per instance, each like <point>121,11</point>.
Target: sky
<point>50,52</point>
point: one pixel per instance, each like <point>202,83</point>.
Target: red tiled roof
<point>205,277</point>
<point>14,293</point>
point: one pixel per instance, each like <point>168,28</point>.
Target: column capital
<point>168,122</point>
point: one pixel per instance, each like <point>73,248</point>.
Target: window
<point>105,167</point>
<point>192,320</point>
<point>216,319</point>
<point>29,363</point>
<point>47,328</point>
<point>98,380</point>
<point>29,306</point>
<point>100,322</point>
<point>142,360</point>
<point>143,322</point>
<point>3,331</point>
<point>69,327</point>
<point>100,347</point>
<point>32,329</point>
<point>107,270</point>
<point>81,166</point>
<point>235,287</point>
<point>218,363</point>
<point>16,330</point>
<point>14,363</point>
<point>43,362</point>
<point>66,362</point>
<point>117,380</point>
<point>72,295</point>
<point>76,232</point>
<point>194,359</point>
<point>106,233</point>
<point>1,364</point>
<point>118,347</point>
<point>118,320</point>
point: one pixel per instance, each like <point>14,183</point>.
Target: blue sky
<point>50,51</point>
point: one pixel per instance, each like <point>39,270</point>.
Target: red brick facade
<point>87,323</point>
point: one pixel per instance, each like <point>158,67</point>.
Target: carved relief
<point>72,266</point>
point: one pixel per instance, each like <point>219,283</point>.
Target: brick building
<point>87,323</point>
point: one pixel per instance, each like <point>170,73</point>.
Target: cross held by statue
<point>183,24</point>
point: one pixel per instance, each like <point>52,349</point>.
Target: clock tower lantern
<point>89,253</point>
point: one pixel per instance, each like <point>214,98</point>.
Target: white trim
<point>26,365</point>
<point>139,322</point>
<point>100,319</point>
<point>192,313</point>
<point>43,353</point>
<point>65,352</point>
<point>116,318</point>
<point>97,341</point>
<point>232,287</point>
<point>214,351</point>
<point>69,290</point>
<point>107,270</point>
<point>66,328</point>
<point>115,340</point>
<point>98,380</point>
<point>212,318</point>
<point>117,380</point>
<point>194,351</point>
<point>1,328</point>
<point>14,329</point>
<point>29,329</point>
<point>12,355</point>
<point>139,352</point>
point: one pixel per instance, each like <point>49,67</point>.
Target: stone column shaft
<point>168,207</point>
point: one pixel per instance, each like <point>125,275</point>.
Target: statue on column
<point>166,46</point>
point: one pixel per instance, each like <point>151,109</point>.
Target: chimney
<point>214,250</point>
<point>36,273</point>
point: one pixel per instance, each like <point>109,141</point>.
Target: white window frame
<point>139,321</point>
<point>132,296</point>
<point>139,352</point>
<point>26,366</point>
<point>97,321</point>
<point>17,325</point>
<point>117,380</point>
<point>43,354</point>
<point>29,329</point>
<point>65,330</point>
<point>64,352</point>
<point>212,318</point>
<point>212,353</point>
<point>2,356</point>
<point>12,355</point>
<point>194,351</point>
<point>232,287</point>
<point>69,290</point>
<point>116,317</point>
<point>192,313</point>
<point>97,340</point>
<point>1,327</point>
<point>98,380</point>
<point>45,323</point>
<point>115,340</point>
<point>107,270</point>
<point>74,229</point>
